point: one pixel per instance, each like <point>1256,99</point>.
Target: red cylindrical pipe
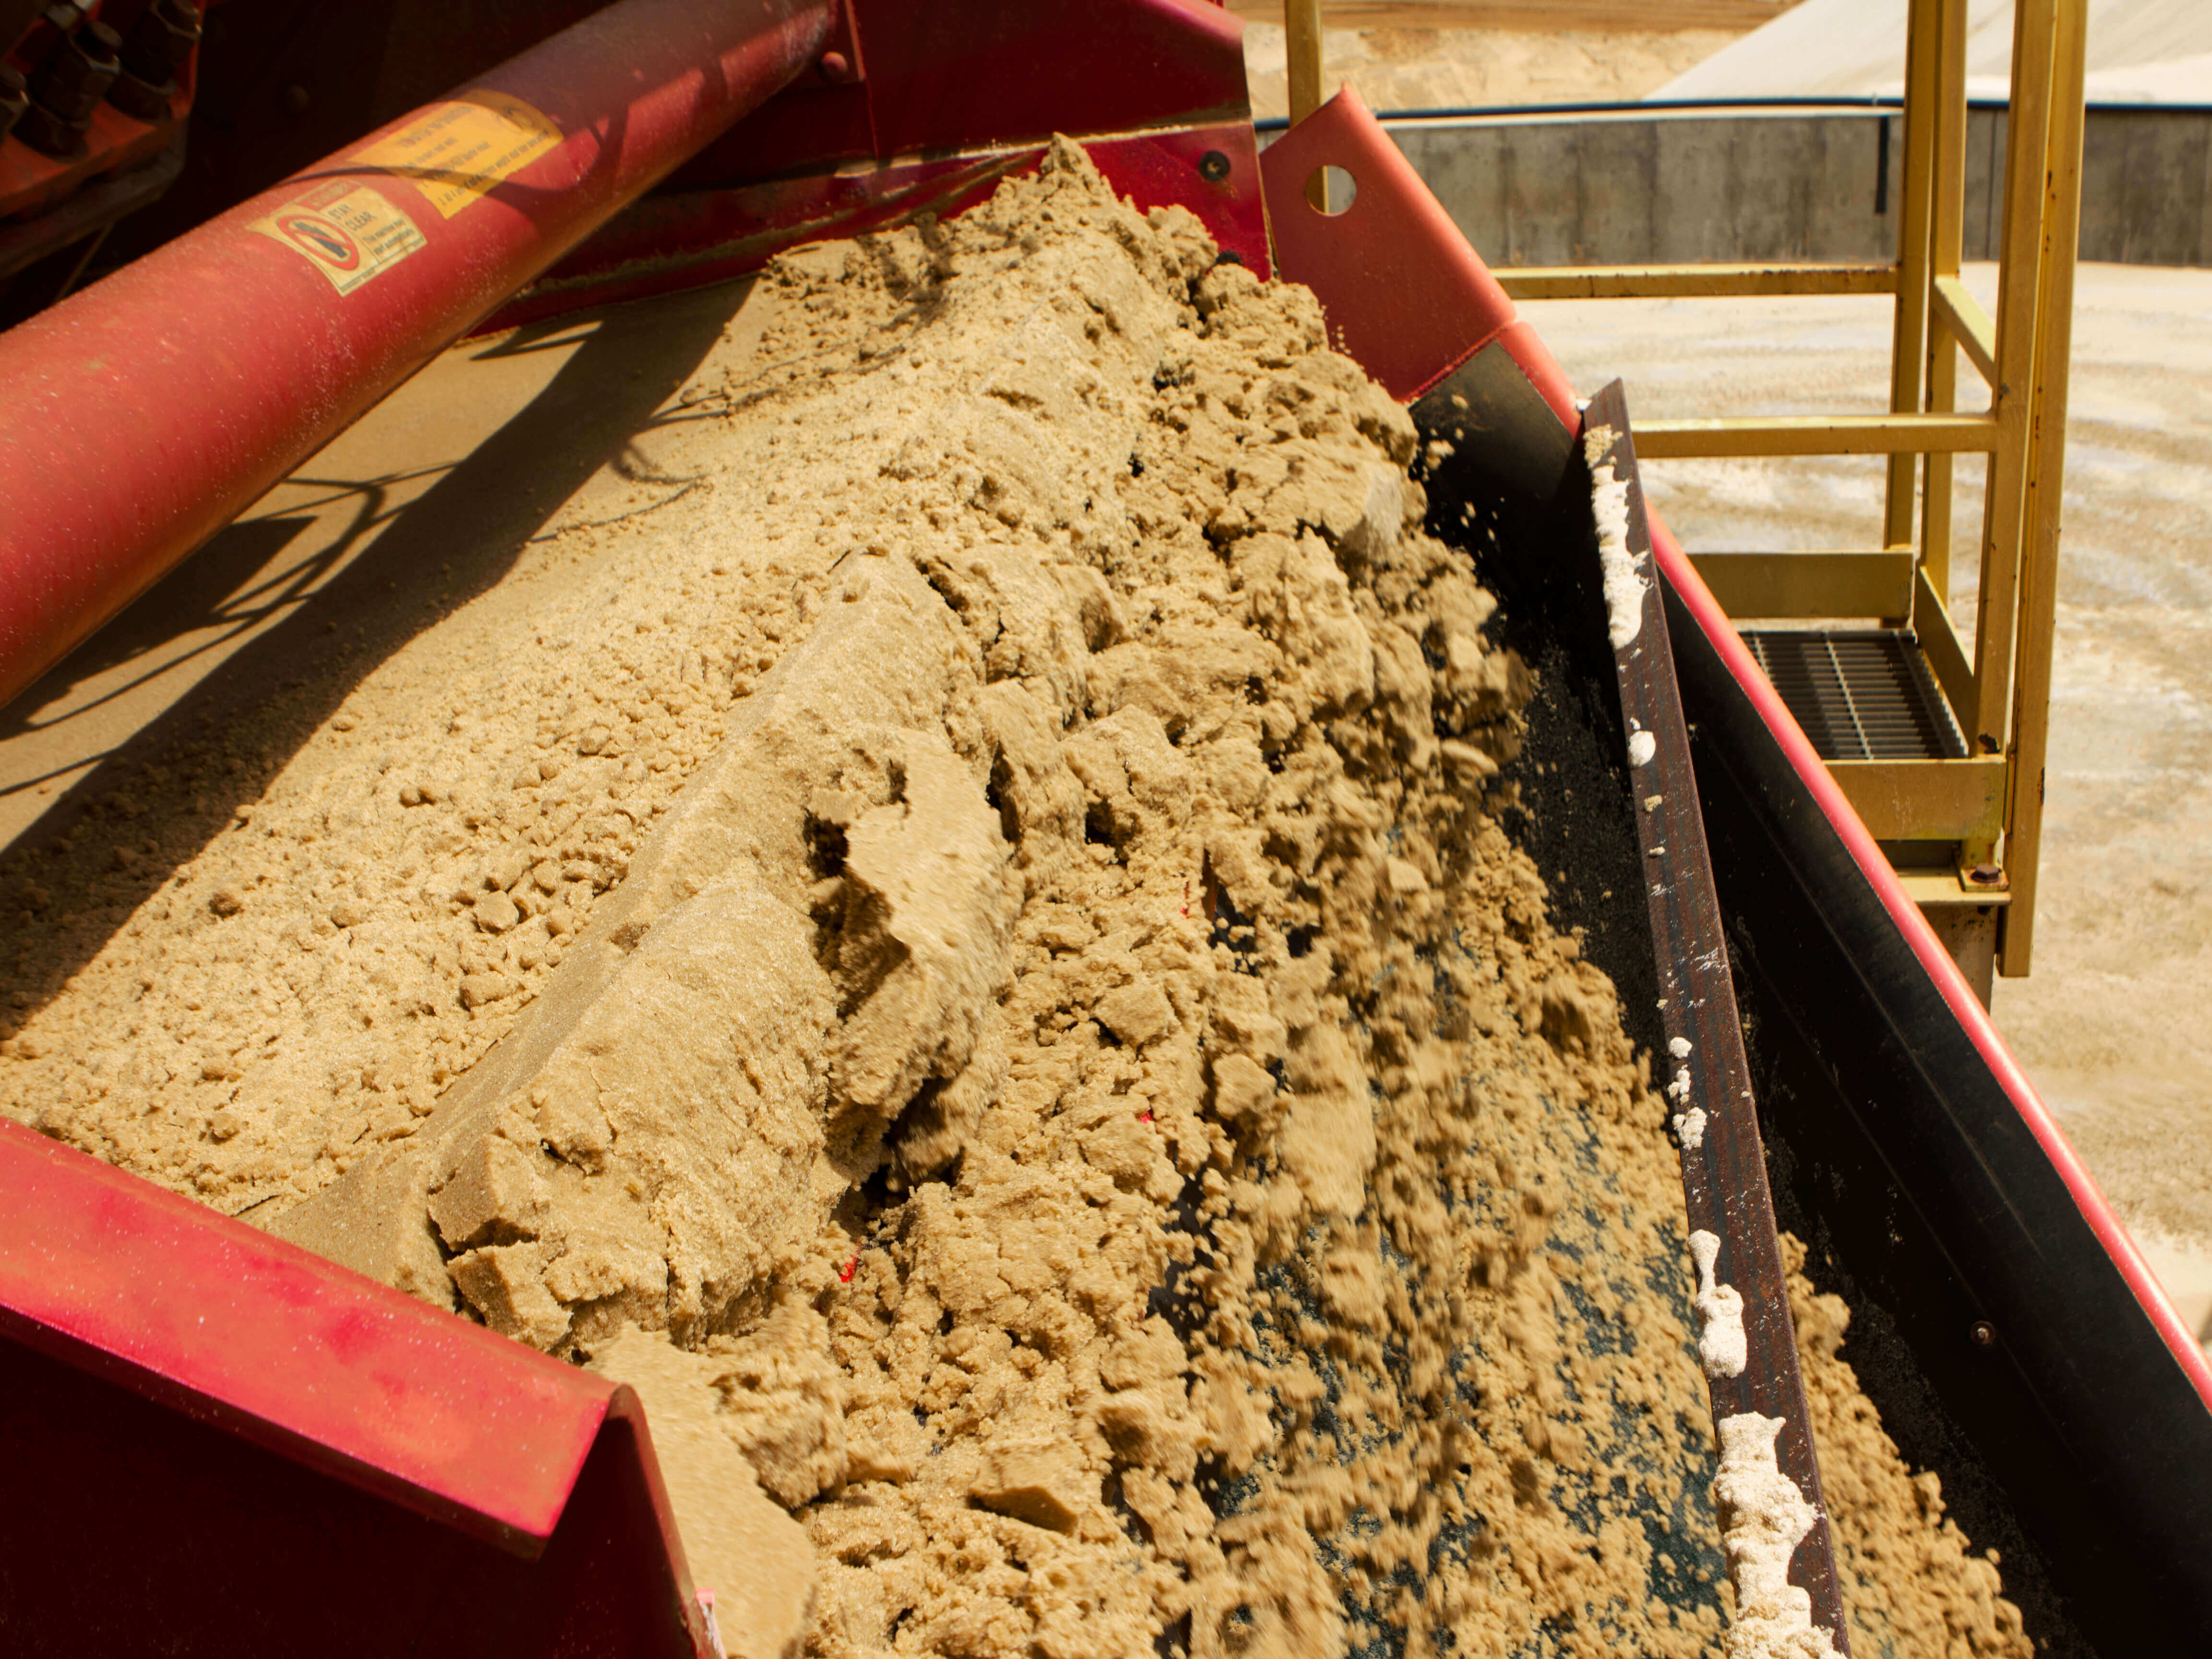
<point>140,415</point>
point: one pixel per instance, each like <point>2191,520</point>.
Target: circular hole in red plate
<point>1331,191</point>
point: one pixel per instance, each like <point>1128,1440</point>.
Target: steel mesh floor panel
<point>1861,694</point>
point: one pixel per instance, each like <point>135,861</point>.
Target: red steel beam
<point>266,1420</point>
<point>142,415</point>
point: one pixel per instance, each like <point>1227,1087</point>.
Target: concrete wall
<point>2146,187</point>
<point>1666,187</point>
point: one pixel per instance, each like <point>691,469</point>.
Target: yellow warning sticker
<point>346,230</point>
<point>459,150</point>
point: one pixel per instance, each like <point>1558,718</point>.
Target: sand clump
<point>1915,1583</point>
<point>972,959</point>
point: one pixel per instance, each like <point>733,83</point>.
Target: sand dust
<point>967,956</point>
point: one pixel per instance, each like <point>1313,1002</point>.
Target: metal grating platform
<point>1861,694</point>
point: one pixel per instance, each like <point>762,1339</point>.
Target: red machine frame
<point>514,1499</point>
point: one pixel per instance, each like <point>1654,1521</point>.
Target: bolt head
<point>162,39</point>
<point>836,68</point>
<point>1985,1335</point>
<point>1214,166</point>
<point>51,134</point>
<point>137,98</point>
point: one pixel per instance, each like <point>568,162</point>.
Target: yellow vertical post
<point>1302,32</point>
<point>1947,237</point>
<point>1914,228</point>
<point>2039,596</point>
<point>1302,39</point>
<point>2018,323</point>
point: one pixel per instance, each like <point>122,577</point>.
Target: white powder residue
<point>1679,1047</point>
<point>1642,746</point>
<point>1722,1345</point>
<point>1763,1517</point>
<point>1691,1127</point>
<point>1624,586</point>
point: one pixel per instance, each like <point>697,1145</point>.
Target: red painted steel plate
<point>675,241</point>
<point>987,73</point>
<point>1408,298</point>
<point>236,1327</point>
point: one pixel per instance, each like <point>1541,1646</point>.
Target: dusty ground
<point>2111,1024</point>
<point>1435,54</point>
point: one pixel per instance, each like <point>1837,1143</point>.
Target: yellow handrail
<point>1998,682</point>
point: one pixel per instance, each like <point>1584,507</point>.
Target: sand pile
<point>970,958</point>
